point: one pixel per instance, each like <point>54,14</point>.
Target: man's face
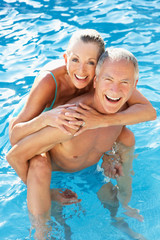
<point>114,86</point>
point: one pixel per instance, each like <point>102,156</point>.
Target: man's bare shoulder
<point>84,98</point>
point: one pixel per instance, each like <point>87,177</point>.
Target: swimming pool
<point>31,34</point>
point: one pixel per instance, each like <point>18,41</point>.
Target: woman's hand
<point>89,117</point>
<point>57,118</point>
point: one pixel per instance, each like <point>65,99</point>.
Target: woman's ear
<point>65,58</point>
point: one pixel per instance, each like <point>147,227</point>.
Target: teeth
<point>81,77</point>
<point>113,99</point>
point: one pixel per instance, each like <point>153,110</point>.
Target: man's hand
<point>66,197</point>
<point>112,167</point>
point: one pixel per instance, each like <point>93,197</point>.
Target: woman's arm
<point>54,118</point>
<point>41,95</point>
<point>31,119</point>
<point>139,110</point>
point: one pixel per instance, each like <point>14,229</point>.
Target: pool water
<point>33,32</point>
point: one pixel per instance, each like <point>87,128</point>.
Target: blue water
<point>33,32</point>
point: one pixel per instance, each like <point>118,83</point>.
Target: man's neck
<point>93,102</point>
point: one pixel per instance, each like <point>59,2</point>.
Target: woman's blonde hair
<point>87,36</point>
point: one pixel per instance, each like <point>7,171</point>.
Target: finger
<point>73,201</point>
<point>106,172</point>
<point>64,130</point>
<point>121,174</point>
<point>70,125</point>
<point>69,118</point>
<point>75,122</point>
<point>69,193</point>
<point>77,109</point>
<point>79,131</point>
<point>119,170</point>
<point>74,114</point>
<point>111,173</point>
<point>114,173</point>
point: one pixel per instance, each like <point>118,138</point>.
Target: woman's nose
<point>82,68</point>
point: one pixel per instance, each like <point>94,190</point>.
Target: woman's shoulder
<point>53,65</point>
<point>50,75</point>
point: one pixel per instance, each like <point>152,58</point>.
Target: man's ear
<point>94,82</point>
<point>65,58</point>
<point>136,83</point>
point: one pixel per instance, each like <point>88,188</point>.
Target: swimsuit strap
<point>49,108</point>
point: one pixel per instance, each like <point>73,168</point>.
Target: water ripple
<point>34,32</point>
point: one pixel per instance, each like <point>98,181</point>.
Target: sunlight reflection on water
<point>34,32</point>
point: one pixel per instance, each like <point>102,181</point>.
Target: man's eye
<point>108,79</point>
<point>125,82</point>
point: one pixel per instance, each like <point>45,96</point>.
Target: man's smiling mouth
<point>112,99</point>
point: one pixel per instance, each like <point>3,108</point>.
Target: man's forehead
<point>122,68</point>
<point>108,62</point>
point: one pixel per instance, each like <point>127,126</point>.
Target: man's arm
<point>32,145</point>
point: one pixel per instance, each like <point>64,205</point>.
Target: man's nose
<point>115,87</point>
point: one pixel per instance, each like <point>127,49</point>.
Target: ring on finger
<point>83,123</point>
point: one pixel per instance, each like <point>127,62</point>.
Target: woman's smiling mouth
<point>80,78</point>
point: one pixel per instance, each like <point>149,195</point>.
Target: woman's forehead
<point>89,48</point>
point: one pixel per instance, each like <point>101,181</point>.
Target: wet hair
<point>87,36</point>
<point>117,54</point>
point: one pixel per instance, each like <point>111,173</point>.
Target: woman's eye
<point>91,63</point>
<point>74,60</point>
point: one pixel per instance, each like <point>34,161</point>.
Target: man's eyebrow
<point>108,76</point>
<point>125,79</point>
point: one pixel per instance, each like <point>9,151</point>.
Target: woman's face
<point>81,63</point>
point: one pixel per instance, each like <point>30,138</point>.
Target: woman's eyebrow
<point>92,59</point>
<point>74,54</point>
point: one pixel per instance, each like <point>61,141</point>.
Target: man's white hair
<point>117,54</point>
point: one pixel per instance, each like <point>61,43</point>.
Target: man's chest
<point>84,150</point>
<point>99,140</point>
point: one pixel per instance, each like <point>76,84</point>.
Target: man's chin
<point>112,110</point>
